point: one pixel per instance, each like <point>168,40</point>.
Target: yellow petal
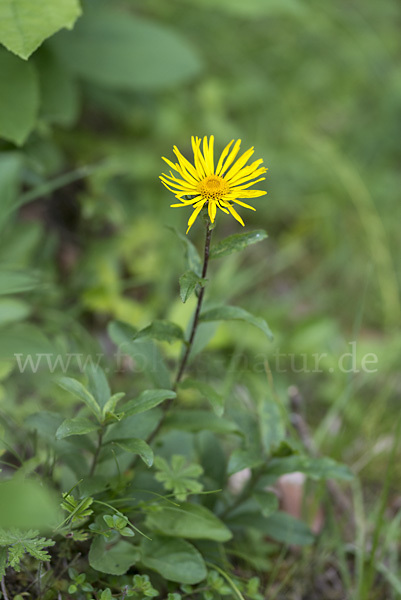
<point>222,207</point>
<point>243,204</point>
<point>234,213</point>
<point>198,165</point>
<point>230,158</point>
<point>247,185</point>
<point>196,212</point>
<point>212,210</point>
<point>222,157</point>
<point>186,165</point>
<point>237,166</point>
<point>208,154</point>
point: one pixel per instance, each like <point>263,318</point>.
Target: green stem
<point>189,344</point>
<point>197,310</point>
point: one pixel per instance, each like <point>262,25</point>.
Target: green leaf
<point>207,391</point>
<point>114,560</point>
<point>175,560</point>
<point>244,459</point>
<point>79,391</point>
<point>179,476</point>
<point>23,29</point>
<point>199,420</point>
<point>113,48</point>
<point>188,283</point>
<point>75,426</point>
<point>192,257</point>
<point>15,282</point>
<point>315,468</point>
<point>271,425</point>
<point>58,91</point>
<point>13,310</point>
<point>136,446</point>
<point>164,331</point>
<point>189,521</point>
<point>235,313</point>
<point>19,99</point>
<point>10,173</point>
<point>146,401</point>
<point>280,526</point>
<point>97,384</point>
<point>111,404</point>
<point>236,243</point>
<point>145,353</point>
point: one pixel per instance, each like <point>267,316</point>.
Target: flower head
<point>203,185</point>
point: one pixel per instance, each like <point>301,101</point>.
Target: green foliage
<point>179,477</point>
<point>188,282</point>
<point>236,243</point>
<point>23,30</point>
<point>164,331</point>
<point>235,313</point>
<point>116,50</point>
<point>174,559</point>
<point>15,544</point>
<point>19,103</point>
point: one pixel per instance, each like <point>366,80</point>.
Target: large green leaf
<point>113,48</point>
<point>244,459</point>
<point>75,426</point>
<point>114,560</point>
<point>175,560</point>
<point>19,98</point>
<point>189,521</point>
<point>146,401</point>
<point>235,313</point>
<point>24,26</point>
<point>236,243</point>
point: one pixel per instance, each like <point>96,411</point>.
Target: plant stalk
<point>184,360</point>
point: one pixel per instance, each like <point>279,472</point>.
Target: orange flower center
<point>213,187</point>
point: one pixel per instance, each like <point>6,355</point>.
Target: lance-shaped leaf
<point>75,426</point>
<point>136,446</point>
<point>79,391</point>
<point>110,406</point>
<point>164,331</point>
<point>188,283</point>
<point>235,313</point>
<point>193,260</point>
<point>236,243</point>
<point>146,401</point>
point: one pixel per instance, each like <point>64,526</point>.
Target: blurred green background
<point>316,88</point>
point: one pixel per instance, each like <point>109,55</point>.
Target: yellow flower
<point>216,187</point>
